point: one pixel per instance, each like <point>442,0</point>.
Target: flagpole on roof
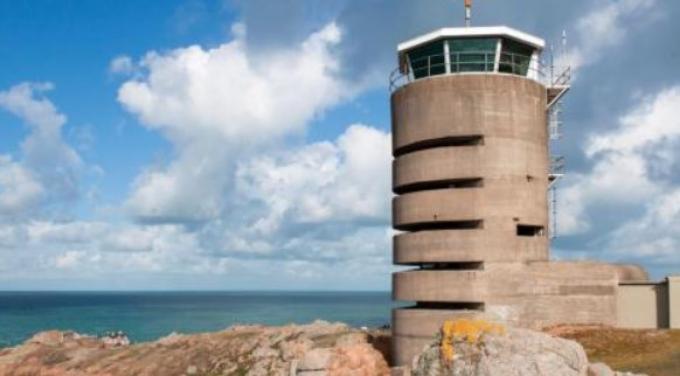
<point>468,12</point>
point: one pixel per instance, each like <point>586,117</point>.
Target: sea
<point>146,316</point>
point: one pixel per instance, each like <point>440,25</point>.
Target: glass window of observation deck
<point>515,58</point>
<point>428,60</point>
<point>472,54</point>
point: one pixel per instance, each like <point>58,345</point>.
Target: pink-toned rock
<point>316,349</point>
<point>315,360</point>
<point>49,338</point>
<point>357,360</point>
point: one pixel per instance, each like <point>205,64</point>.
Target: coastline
<point>317,348</point>
<point>146,316</point>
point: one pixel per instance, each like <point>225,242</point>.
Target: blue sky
<point>245,144</point>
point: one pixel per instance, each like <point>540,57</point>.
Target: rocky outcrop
<point>463,348</point>
<point>317,349</point>
<point>480,348</point>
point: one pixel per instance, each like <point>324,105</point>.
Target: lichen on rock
<point>482,348</point>
<point>468,330</point>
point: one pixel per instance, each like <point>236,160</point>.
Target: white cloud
<point>19,189</point>
<point>605,26</point>
<point>42,231</point>
<point>616,179</point>
<point>272,228</point>
<point>69,260</point>
<point>634,168</point>
<point>214,105</point>
<point>48,170</point>
<point>146,255</point>
<point>193,92</point>
<point>652,122</point>
<point>236,200</point>
<point>325,201</point>
<point>654,237</point>
<point>348,180</point>
<point>122,65</point>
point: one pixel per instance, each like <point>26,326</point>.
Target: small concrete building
<point>649,305</point>
<point>471,174</point>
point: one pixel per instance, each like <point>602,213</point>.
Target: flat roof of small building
<point>496,31</point>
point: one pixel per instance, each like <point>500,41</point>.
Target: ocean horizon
<point>149,315</point>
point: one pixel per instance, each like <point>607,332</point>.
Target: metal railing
<point>562,79</point>
<point>475,61</point>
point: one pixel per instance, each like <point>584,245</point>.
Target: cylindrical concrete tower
<point>470,174</point>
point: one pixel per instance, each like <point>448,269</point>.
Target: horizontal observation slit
<point>453,141</point>
<point>442,225</point>
<point>450,306</point>
<point>471,265</point>
<point>440,184</point>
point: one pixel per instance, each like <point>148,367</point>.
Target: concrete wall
<point>649,305</point>
<point>674,302</point>
<point>535,295</point>
<point>642,305</point>
<point>450,131</point>
<point>508,112</point>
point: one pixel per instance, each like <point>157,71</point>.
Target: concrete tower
<point>473,112</point>
<point>471,173</point>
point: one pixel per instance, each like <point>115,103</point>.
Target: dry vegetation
<point>654,352</point>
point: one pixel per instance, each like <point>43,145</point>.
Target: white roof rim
<point>498,31</point>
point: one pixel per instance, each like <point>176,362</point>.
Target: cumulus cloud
<point>115,255</point>
<point>650,124</point>
<point>19,188</point>
<point>48,169</point>
<point>193,92</point>
<point>242,197</point>
<point>213,104</point>
<point>348,179</point>
<point>323,205</point>
<point>98,247</point>
<point>653,236</point>
<point>325,201</point>
<point>634,170</point>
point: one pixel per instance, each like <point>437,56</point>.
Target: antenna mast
<point>468,12</point>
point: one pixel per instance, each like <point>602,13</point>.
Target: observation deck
<point>473,50</point>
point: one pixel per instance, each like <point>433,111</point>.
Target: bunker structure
<point>471,174</point>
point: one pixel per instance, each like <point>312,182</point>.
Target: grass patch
<point>654,352</point>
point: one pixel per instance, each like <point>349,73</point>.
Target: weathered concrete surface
<point>488,244</point>
<point>534,295</point>
<point>512,201</point>
<point>512,161</point>
<point>491,105</point>
<point>631,273</point>
<point>642,305</point>
<point>496,158</point>
<point>674,302</point>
